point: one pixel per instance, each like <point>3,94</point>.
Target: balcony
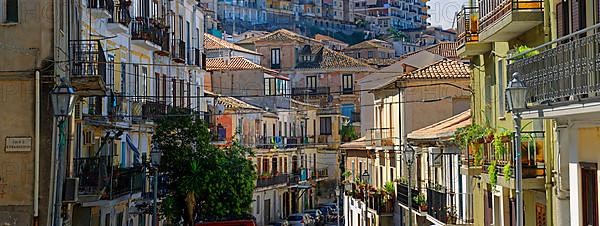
<point>320,174</point>
<point>468,33</point>
<point>267,181</point>
<point>148,33</point>
<point>436,205</point>
<point>562,76</point>
<point>178,52</point>
<point>152,110</point>
<point>380,137</point>
<point>310,91</point>
<point>101,8</point>
<point>532,160</point>
<point>278,142</point>
<point>402,195</point>
<point>88,68</point>
<point>119,22</point>
<point>99,181</point>
<point>470,158</point>
<point>504,20</point>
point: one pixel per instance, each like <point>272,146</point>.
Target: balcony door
<point>589,193</point>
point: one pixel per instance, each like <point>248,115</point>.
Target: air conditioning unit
<point>71,190</point>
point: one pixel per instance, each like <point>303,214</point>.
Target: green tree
<point>204,182</point>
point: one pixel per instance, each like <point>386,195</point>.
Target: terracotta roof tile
<point>321,37</point>
<point>326,58</point>
<point>445,49</point>
<point>443,69</point>
<point>234,64</point>
<point>373,43</point>
<point>378,62</point>
<point>285,35</point>
<point>213,43</point>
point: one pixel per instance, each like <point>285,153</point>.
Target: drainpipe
<point>548,11</point>
<point>36,188</point>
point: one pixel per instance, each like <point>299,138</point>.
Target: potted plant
<point>488,135</point>
<point>452,215</point>
<point>421,201</point>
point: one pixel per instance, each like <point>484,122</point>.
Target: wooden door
<point>589,194</point>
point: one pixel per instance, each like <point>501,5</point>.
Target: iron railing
<point>153,110</point>
<point>120,13</point>
<point>148,29</point>
<point>380,137</point>
<point>87,59</point>
<point>101,4</point>
<point>126,181</point>
<point>563,71</point>
<point>467,25</point>
<point>436,205</point>
<point>272,180</point>
<point>402,195</point>
<point>93,174</point>
<point>532,156</point>
<point>493,11</point>
<point>312,91</point>
<point>355,117</point>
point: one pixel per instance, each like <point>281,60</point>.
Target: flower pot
<point>489,138</point>
<point>423,208</point>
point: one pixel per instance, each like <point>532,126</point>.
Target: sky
<point>443,11</point>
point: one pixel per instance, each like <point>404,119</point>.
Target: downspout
<point>548,12</point>
<point>36,188</point>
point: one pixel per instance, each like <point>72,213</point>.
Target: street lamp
<point>63,100</point>
<point>516,93</point>
<point>409,154</point>
<point>365,178</point>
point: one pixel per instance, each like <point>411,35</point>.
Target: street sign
<point>18,144</point>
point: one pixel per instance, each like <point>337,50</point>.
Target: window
<point>370,53</point>
<point>270,86</point>
<point>143,87</point>
<point>347,84</point>
<point>123,78</point>
<point>589,191</point>
<point>311,82</point>
<point>11,13</point>
<point>325,125</point>
<point>275,58</point>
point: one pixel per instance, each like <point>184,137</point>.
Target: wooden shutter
<point>562,19</point>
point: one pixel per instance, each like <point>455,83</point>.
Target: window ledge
<point>8,24</point>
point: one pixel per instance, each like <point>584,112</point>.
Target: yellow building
<point>489,33</point>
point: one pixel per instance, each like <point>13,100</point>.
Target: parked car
<point>300,219</point>
<point>279,223</point>
<point>317,215</point>
<point>332,206</point>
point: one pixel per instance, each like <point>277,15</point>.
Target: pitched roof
<point>326,58</point>
<point>443,129</point>
<point>213,43</point>
<point>443,69</point>
<point>445,49</point>
<point>232,102</point>
<point>285,35</point>
<point>321,37</point>
<point>233,64</point>
<point>378,62</point>
<point>373,43</point>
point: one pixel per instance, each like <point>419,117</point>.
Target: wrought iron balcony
<point>120,13</point>
<point>267,181</point>
<point>153,109</point>
<point>532,156</point>
<point>436,205</point>
<point>88,67</point>
<point>178,52</point>
<point>381,137</point>
<point>561,72</point>
<point>502,20</point>
<point>402,195</point>
<point>468,25</point>
<point>311,91</point>
<point>148,29</point>
<point>126,181</point>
